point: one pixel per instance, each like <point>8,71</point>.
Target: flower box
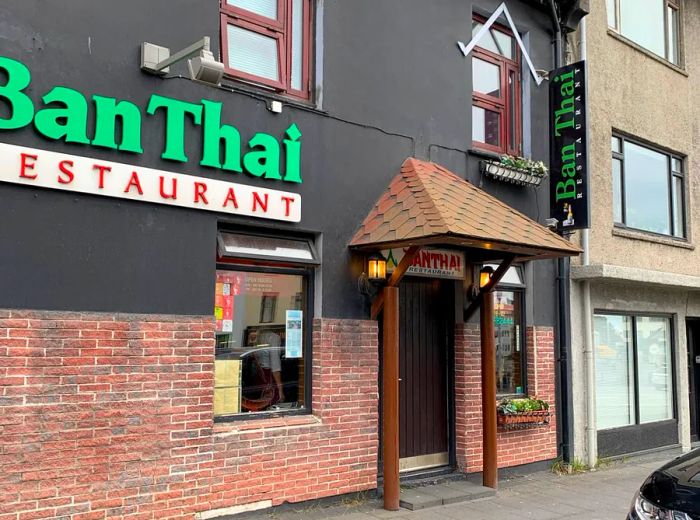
<point>522,420</point>
<point>512,174</point>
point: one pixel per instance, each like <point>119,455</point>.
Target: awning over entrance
<point>426,204</point>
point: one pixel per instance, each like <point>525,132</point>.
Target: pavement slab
<point>604,494</point>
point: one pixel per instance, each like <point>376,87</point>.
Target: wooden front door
<point>423,369</point>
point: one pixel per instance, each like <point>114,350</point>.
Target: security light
<point>203,67</point>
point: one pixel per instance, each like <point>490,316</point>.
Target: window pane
<point>654,366</point>
<point>509,376</point>
<point>258,366</point>
<point>617,191</point>
<point>678,204</point>
<point>495,41</point>
<point>612,15</point>
<point>646,189</point>
<point>672,35</point>
<point>486,126</point>
<point>676,165</point>
<point>615,143</point>
<point>511,277</point>
<point>253,53</point>
<point>297,43</point>
<point>614,372</point>
<point>486,77</point>
<point>512,110</point>
<point>266,8</point>
<point>232,244</point>
<point>642,21</point>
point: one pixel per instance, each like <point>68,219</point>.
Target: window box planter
<point>522,420</point>
<point>521,413</point>
<point>512,174</point>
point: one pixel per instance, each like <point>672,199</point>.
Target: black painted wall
<point>395,84</point>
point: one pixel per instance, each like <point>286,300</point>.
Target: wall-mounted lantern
<point>376,268</point>
<point>485,275</point>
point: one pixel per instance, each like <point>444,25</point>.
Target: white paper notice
<point>294,334</point>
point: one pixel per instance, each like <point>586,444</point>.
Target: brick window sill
<point>254,425</point>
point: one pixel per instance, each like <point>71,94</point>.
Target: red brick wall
<point>515,447</point>
<point>110,416</point>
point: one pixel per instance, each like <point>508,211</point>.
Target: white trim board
<point>502,9</point>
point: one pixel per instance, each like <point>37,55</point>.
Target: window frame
<point>518,291</point>
<point>280,30</point>
<point>509,144</point>
<point>668,4</point>
<point>671,174</point>
<point>307,274</point>
<point>671,319</point>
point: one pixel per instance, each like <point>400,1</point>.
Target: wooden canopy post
<point>488,391</point>
<point>390,399</point>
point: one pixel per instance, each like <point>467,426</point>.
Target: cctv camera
<point>205,68</point>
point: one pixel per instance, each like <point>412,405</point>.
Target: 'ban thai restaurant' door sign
<point>432,263</point>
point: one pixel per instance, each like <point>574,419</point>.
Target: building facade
<point>181,329</point>
<point>634,292</point>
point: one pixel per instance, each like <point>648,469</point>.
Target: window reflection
<point>646,189</point>
<point>259,361</point>
<point>509,360</point>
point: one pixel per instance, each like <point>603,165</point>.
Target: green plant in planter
<point>522,163</point>
<point>514,405</point>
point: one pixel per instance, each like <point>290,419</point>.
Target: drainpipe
<point>591,428</point>
<point>565,404</point>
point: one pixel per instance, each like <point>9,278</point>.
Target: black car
<point>672,492</point>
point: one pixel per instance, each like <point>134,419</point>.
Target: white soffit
<point>502,9</point>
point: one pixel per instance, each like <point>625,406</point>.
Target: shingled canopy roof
<point>427,205</point>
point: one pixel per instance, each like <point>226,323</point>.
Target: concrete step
<point>448,492</point>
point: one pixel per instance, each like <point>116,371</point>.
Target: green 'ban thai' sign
<point>64,116</point>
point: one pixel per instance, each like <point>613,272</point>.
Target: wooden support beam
<point>390,398</point>
<point>488,392</point>
<point>395,278</point>
<point>495,278</point>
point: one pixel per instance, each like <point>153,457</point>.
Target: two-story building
<point>635,299</point>
<point>184,307</point>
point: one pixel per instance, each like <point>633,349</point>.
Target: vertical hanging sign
<point>568,154</point>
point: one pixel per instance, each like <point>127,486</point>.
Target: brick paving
<point>604,494</point>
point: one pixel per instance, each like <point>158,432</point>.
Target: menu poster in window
<point>226,288</point>
<point>293,334</point>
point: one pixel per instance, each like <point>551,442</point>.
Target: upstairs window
<point>652,24</point>
<point>648,188</point>
<point>268,43</point>
<point>496,112</point>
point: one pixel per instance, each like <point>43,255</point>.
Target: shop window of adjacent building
<point>652,24</point>
<point>648,189</point>
<point>496,97</point>
<point>634,370</point>
<point>262,325</point>
<point>511,367</point>
<point>268,43</point>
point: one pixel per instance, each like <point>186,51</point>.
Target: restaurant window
<point>268,43</point>
<point>634,370</point>
<point>511,367</point>
<point>648,188</point>
<point>262,320</point>
<point>496,111</point>
<point>652,24</point>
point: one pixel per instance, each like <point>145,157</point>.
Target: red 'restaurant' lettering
<point>231,197</point>
<point>102,169</point>
<point>287,203</point>
<point>63,166</point>
<point>26,165</point>
<point>257,201</point>
<point>173,190</point>
<point>200,188</point>
<point>134,181</point>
